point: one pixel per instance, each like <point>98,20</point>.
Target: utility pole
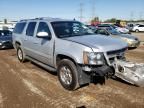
<point>140,15</point>
<point>93,9</point>
<point>132,16</point>
<point>81,12</point>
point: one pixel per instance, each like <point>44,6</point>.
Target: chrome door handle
<point>35,42</point>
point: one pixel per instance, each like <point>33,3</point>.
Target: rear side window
<point>19,27</point>
<point>103,26</point>
<point>141,25</point>
<point>30,29</point>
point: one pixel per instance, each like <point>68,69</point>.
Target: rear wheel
<point>137,30</point>
<point>20,54</point>
<point>67,74</point>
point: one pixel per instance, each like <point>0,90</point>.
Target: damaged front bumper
<point>130,72</point>
<point>87,73</point>
<point>101,71</point>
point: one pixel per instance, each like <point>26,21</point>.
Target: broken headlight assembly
<point>93,58</point>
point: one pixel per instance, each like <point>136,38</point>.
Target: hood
<point>5,38</point>
<point>100,42</point>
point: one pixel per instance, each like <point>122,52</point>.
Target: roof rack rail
<point>40,18</point>
<point>26,19</point>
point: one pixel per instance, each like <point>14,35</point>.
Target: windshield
<point>64,29</point>
<point>113,31</point>
<point>5,33</point>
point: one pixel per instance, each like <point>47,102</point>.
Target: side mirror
<point>42,34</point>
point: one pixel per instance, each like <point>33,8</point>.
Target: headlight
<point>131,40</point>
<point>0,43</point>
<point>128,40</point>
<point>93,58</point>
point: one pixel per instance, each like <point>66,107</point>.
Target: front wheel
<point>67,74</point>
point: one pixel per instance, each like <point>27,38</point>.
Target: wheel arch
<point>60,57</point>
<point>17,43</point>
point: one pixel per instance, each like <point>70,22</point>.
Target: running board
<point>42,64</point>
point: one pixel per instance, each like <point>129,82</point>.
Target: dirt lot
<point>139,35</point>
<point>29,86</point>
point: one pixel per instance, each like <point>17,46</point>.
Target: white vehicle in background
<point>122,30</point>
<point>138,28</point>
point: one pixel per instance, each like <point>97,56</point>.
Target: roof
<point>49,19</point>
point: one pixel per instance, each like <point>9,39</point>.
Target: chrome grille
<point>116,54</point>
<point>116,51</point>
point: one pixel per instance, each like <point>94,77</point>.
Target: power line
<point>93,9</point>
<point>140,15</point>
<point>132,16</point>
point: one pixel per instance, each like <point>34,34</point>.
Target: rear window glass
<point>141,25</point>
<point>19,27</point>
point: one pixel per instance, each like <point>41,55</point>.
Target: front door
<point>44,46</point>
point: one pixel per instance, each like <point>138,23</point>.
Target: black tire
<point>136,30</point>
<point>71,68</point>
<point>21,57</point>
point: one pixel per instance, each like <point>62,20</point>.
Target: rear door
<point>141,27</point>
<point>28,39</point>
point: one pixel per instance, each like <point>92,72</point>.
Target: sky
<point>70,9</point>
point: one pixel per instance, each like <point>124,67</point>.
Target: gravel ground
<point>29,86</point>
<point>139,35</point>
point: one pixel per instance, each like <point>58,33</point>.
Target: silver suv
<point>67,47</point>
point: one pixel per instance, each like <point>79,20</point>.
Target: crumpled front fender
<point>130,72</point>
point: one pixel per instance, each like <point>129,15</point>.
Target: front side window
<point>30,29</point>
<point>19,27</point>
<point>101,31</point>
<point>43,27</point>
<point>113,31</point>
<point>65,29</point>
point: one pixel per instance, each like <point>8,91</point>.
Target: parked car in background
<point>130,26</point>
<point>132,41</point>
<point>122,30</point>
<point>5,39</point>
<point>119,29</point>
<point>138,28</point>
